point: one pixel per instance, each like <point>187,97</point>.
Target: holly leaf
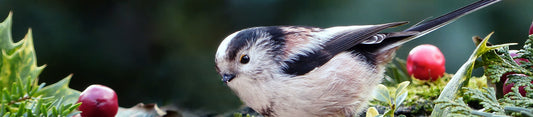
<point>17,59</point>
<point>61,89</point>
<point>5,34</point>
<point>19,77</point>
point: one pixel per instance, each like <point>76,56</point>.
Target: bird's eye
<point>244,59</point>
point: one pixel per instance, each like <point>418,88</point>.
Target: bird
<point>281,71</point>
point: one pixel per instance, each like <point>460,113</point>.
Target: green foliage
<point>487,98</point>
<point>391,97</point>
<point>498,62</point>
<point>18,59</point>
<point>396,72</point>
<point>461,78</point>
<point>242,115</point>
<point>527,53</point>
<point>518,111</point>
<point>20,93</point>
<point>61,88</point>
<point>372,112</point>
<point>421,93</point>
<point>457,107</point>
<point>451,95</point>
<point>492,106</point>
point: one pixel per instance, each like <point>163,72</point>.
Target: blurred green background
<point>162,51</point>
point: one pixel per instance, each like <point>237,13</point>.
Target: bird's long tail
<point>443,20</point>
<point>428,26</point>
<point>392,43</point>
<point>431,25</point>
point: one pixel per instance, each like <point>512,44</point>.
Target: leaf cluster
<point>393,98</point>
<point>21,95</point>
<point>496,63</point>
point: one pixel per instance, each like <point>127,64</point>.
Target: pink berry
<point>514,53</point>
<point>98,101</point>
<point>507,87</point>
<point>426,62</point>
<point>504,76</point>
<point>531,28</point>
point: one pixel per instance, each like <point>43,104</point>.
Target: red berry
<point>504,76</point>
<point>514,53</point>
<point>98,101</point>
<point>531,28</point>
<point>507,87</point>
<point>426,62</point>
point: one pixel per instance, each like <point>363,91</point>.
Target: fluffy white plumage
<point>308,71</point>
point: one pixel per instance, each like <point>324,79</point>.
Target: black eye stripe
<point>249,36</point>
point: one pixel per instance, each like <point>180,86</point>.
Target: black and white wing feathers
<point>368,40</point>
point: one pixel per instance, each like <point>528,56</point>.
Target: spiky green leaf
<point>61,89</point>
<point>20,94</point>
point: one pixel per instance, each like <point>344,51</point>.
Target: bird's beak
<point>227,77</point>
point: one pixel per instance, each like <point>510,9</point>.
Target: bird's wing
<point>337,40</point>
<point>368,40</point>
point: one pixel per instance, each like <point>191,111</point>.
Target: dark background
<point>162,51</point>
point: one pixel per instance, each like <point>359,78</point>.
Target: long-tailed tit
<point>309,71</point>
